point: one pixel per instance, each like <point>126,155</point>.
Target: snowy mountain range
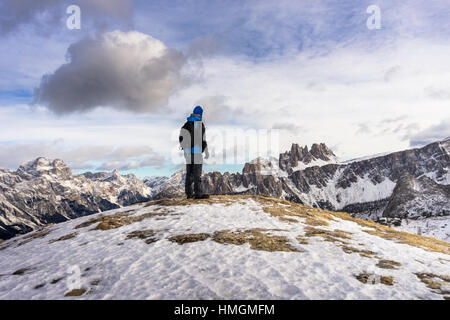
<point>410,184</point>
<point>225,247</point>
<point>44,191</point>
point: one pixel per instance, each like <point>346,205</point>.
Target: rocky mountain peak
<point>299,157</point>
<point>445,144</point>
<point>116,173</point>
<point>321,151</point>
<point>44,166</point>
<point>417,198</point>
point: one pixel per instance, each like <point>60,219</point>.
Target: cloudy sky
<point>114,93</point>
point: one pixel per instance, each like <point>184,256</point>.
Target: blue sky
<point>311,69</point>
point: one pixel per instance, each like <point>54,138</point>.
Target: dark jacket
<point>192,138</point>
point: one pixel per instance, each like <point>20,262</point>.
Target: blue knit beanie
<point>198,110</point>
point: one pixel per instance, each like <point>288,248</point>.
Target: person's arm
<point>183,134</point>
<point>204,143</point>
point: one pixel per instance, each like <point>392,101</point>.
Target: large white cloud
<point>125,70</point>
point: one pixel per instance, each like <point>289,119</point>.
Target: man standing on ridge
<point>192,141</point>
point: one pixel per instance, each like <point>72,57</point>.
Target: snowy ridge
<point>314,162</point>
<point>382,154</point>
<point>222,248</point>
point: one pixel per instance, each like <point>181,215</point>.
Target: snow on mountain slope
<point>156,184</point>
<point>361,190</point>
<point>225,247</point>
<point>314,162</point>
<point>436,227</point>
<point>418,198</point>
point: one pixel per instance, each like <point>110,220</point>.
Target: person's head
<point>198,110</point>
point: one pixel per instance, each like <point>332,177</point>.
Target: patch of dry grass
<point>89,222</point>
<point>147,235</point>
<point>182,201</point>
<point>188,238</point>
<point>426,243</point>
<point>39,286</point>
<point>257,239</point>
<point>388,264</point>
<point>66,237</point>
<point>21,271</point>
<point>119,219</point>
<point>285,211</point>
<point>315,222</point>
<point>368,278</point>
<point>361,252</point>
<point>41,233</point>
<point>302,240</point>
<point>56,280</point>
<point>75,293</point>
<point>95,282</point>
<point>286,219</point>
<point>439,283</point>
<point>335,235</point>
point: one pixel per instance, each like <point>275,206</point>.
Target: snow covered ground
<point>227,247</point>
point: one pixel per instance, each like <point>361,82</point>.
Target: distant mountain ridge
<point>44,191</point>
<point>331,184</point>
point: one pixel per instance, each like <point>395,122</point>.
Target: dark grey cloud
<point>128,71</point>
<point>290,127</point>
<point>48,16</point>
<point>433,133</point>
<point>84,157</point>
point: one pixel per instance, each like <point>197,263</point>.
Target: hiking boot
<point>190,196</point>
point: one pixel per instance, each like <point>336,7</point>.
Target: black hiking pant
<point>193,175</point>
